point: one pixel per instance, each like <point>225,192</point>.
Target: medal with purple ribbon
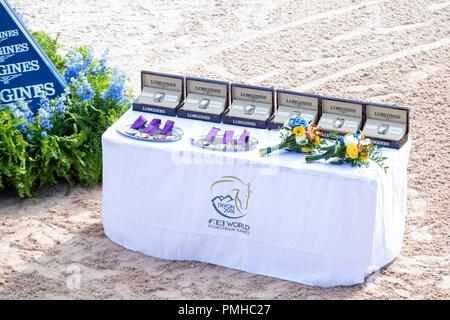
<point>227,137</point>
<point>243,138</point>
<point>167,130</point>
<point>153,127</point>
<point>139,123</point>
<point>211,137</point>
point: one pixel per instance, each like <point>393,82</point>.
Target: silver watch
<point>159,96</point>
<point>249,109</point>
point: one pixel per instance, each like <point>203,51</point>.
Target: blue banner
<point>25,71</point>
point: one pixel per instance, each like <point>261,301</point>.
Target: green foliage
<point>50,46</point>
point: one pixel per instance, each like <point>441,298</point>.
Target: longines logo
<point>5,35</point>
<point>163,84</point>
<point>208,90</point>
<point>231,202</point>
<point>9,51</point>
<point>252,96</point>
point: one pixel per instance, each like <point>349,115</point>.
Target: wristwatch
<point>204,103</point>
<point>249,109</point>
<point>339,123</point>
<point>383,129</point>
<point>159,96</point>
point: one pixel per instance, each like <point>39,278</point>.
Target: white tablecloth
<point>316,224</point>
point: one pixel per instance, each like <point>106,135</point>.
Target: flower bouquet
<point>298,136</point>
<point>352,148</point>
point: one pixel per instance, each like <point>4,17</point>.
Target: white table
<point>316,224</point>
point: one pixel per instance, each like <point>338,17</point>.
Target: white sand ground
<point>392,51</point>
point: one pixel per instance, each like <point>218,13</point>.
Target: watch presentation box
<point>341,116</point>
<point>387,125</point>
<point>206,100</point>
<point>251,106</point>
<point>292,103</point>
<point>161,93</point>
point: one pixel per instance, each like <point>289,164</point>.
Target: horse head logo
<point>235,204</point>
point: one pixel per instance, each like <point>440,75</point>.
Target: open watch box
<point>387,125</point>
<point>251,106</point>
<point>341,116</point>
<point>206,99</point>
<point>292,103</point>
<point>161,93</point>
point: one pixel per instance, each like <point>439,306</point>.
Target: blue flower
<point>29,137</point>
<point>45,113</point>
<point>23,127</point>
<point>76,64</point>
<point>20,110</point>
<point>298,121</point>
<point>60,105</point>
<point>84,89</point>
<point>102,64</point>
<point>116,90</point>
<point>44,134</point>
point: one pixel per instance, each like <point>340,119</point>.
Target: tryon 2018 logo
<point>231,197</point>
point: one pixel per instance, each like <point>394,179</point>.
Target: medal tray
<point>217,145</point>
<point>175,135</point>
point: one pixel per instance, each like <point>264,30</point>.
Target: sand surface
<point>392,51</point>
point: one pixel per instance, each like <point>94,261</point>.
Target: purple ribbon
<point>139,123</point>
<point>228,136</point>
<point>153,126</point>
<point>243,138</point>
<point>167,128</point>
<point>211,137</point>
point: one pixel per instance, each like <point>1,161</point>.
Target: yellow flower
<point>316,140</point>
<point>306,150</point>
<point>299,131</point>
<point>352,151</point>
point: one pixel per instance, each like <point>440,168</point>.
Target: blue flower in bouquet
<point>44,134</point>
<point>84,89</point>
<point>116,90</point>
<point>29,137</point>
<point>298,121</point>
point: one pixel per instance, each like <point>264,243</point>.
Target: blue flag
<point>25,70</point>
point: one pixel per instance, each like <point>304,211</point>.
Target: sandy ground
<point>393,51</point>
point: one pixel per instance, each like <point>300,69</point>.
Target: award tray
<point>175,135</point>
<point>218,145</point>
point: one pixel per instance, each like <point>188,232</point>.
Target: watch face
<point>204,103</point>
<point>159,96</point>
<point>383,129</point>
<point>339,123</point>
<point>249,109</point>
